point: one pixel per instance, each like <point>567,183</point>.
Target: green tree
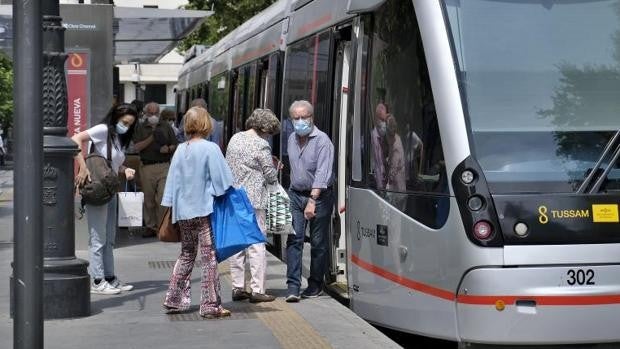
<point>6,92</point>
<point>227,16</point>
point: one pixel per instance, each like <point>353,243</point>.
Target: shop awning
<point>145,35</point>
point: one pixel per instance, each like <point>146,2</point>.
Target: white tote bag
<point>279,219</point>
<point>130,208</point>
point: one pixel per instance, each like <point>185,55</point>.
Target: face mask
<point>303,127</point>
<point>382,129</point>
<point>171,123</point>
<point>121,128</point>
<point>153,119</point>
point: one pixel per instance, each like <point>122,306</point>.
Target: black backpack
<point>104,182</point>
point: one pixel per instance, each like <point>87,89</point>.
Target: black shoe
<point>239,294</point>
<point>261,297</point>
<point>149,233</point>
<point>312,292</point>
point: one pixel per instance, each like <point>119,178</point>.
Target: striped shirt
<point>311,164</point>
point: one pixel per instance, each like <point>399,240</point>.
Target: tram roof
<point>140,34</point>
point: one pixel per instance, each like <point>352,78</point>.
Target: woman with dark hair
<point>115,131</point>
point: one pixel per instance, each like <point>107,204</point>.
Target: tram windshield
<point>540,81</point>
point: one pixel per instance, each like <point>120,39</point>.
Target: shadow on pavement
<point>141,290</point>
<point>131,237</point>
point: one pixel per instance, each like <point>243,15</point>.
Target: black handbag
<point>104,182</point>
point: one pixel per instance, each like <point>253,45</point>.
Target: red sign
<point>77,92</point>
<point>77,95</point>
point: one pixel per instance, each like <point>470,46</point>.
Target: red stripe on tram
<point>488,299</point>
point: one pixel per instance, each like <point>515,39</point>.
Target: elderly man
<point>311,156</point>
<point>156,142</point>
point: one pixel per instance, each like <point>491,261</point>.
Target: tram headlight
<point>475,203</point>
<point>483,230</point>
<point>521,229</point>
<point>468,176</point>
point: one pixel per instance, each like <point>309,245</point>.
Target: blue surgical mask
<point>121,128</point>
<point>303,127</point>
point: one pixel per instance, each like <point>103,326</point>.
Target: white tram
<point>478,141</point>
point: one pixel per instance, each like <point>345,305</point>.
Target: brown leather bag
<point>167,231</point>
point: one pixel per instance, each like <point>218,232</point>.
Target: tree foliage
<point>228,15</point>
<point>6,92</point>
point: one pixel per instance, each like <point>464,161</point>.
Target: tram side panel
<point>408,246</point>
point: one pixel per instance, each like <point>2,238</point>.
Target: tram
<point>477,148</point>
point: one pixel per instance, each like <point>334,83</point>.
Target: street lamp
<point>66,286</point>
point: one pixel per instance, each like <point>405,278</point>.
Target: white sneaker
<point>121,285</point>
<point>104,288</point>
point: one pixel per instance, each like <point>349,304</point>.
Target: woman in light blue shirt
<point>198,173</point>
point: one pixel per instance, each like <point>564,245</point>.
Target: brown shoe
<point>261,297</point>
<point>222,313</point>
<point>239,294</point>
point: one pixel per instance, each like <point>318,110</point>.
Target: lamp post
<point>66,289</point>
<point>27,278</point>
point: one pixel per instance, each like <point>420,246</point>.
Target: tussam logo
<point>545,214</point>
<point>366,233</point>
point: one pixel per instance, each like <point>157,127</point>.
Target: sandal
<point>221,314</point>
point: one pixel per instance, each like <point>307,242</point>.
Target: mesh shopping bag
<point>278,218</point>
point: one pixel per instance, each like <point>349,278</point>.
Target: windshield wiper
<point>599,182</point>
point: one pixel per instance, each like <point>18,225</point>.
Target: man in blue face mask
<point>311,156</point>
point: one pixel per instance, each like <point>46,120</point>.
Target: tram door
<point>340,104</point>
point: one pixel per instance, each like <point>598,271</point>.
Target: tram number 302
<point>580,277</point>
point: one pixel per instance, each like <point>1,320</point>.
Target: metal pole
<point>28,177</point>
<point>66,282</point>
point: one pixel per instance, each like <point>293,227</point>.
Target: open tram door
<point>342,69</point>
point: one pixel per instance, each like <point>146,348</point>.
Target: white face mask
<point>153,119</point>
<point>382,128</point>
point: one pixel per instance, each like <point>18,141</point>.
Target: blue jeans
<point>319,240</point>
<point>102,230</point>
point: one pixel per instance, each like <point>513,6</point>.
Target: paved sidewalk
<point>135,319</point>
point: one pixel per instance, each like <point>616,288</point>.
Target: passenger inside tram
<point>396,179</point>
<point>379,146</point>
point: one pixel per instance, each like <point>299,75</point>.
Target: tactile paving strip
<point>290,329</point>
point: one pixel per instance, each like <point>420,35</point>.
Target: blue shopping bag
<point>234,223</point>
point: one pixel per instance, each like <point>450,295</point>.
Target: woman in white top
<point>119,123</point>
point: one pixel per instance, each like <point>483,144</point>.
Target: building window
<point>155,93</point>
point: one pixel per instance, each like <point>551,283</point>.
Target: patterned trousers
<point>194,232</point>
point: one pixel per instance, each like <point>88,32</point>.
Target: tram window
<point>205,92</point>
<point>405,148</point>
<point>307,78</point>
<point>218,100</point>
<point>238,103</point>
<point>250,87</point>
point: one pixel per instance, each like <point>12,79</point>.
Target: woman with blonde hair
<point>198,173</point>
<point>249,157</point>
